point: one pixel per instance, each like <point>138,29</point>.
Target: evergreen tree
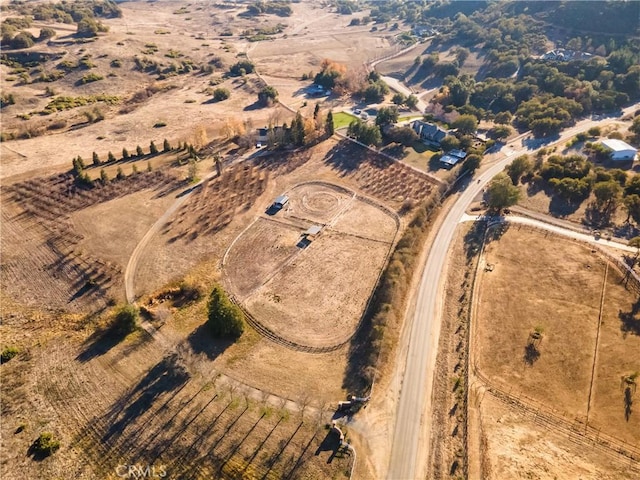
<point>125,154</point>
<point>297,130</point>
<point>139,151</point>
<point>111,157</point>
<point>149,169</point>
<point>152,148</point>
<point>134,169</point>
<point>166,146</point>
<point>96,159</point>
<point>316,111</point>
<point>225,318</point>
<point>120,174</point>
<point>78,166</point>
<point>328,126</point>
<point>104,178</point>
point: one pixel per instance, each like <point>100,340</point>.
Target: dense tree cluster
<point>364,133</point>
<point>510,37</point>
<point>330,74</point>
<point>280,8</point>
<point>241,68</point>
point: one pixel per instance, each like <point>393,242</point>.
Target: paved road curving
<point>409,449</point>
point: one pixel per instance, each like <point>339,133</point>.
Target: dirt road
<point>409,451</point>
<point>566,232</point>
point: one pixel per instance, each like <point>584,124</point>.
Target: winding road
<point>409,451</point>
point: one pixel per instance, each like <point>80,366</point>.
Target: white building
<point>620,150</point>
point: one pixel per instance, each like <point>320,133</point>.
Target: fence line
<point>577,429</point>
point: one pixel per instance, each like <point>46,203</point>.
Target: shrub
<point>125,320</point>
<point>159,124</point>
<point>8,353</point>
<point>594,131</point>
<point>225,318</point>
<point>220,94</point>
<point>91,77</point>
<point>44,445</point>
<point>241,68</point>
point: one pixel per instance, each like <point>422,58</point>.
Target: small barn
<point>280,202</point>
<point>312,231</point>
<point>620,151</point>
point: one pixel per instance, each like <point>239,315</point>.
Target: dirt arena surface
<point>277,271</point>
<point>538,281</point>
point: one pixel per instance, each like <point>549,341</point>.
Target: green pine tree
<point>329,128</point>
<point>225,318</point>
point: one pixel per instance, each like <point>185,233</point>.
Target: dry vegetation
<point>43,260</point>
<point>558,296</point>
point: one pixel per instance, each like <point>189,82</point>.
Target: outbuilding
<point>280,202</point>
<point>620,151</point>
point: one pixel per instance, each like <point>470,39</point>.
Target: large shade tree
<point>501,192</point>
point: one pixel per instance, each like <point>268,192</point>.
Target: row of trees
<point>111,158</point>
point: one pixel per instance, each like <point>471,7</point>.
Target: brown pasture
<point>542,282</point>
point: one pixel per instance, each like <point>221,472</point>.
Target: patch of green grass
<point>407,118</point>
<point>418,157</point>
<point>342,119</point>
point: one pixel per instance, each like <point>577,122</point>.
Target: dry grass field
<point>82,379</point>
<point>278,273</point>
<point>164,33</point>
<point>539,283</point>
<point>173,398</point>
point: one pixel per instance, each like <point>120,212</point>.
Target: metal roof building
<point>620,150</point>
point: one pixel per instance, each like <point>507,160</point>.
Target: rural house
<point>429,133</point>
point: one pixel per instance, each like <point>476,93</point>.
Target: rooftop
<point>617,145</point>
<point>313,230</point>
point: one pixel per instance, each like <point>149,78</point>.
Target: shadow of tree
<point>628,402</point>
<point>479,231</point>
<point>166,376</point>
<point>595,217</point>
<point>473,239</point>
<point>330,443</point>
<point>201,341</point>
<point>100,342</point>
<point>531,354</point>
<point>630,319</point>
